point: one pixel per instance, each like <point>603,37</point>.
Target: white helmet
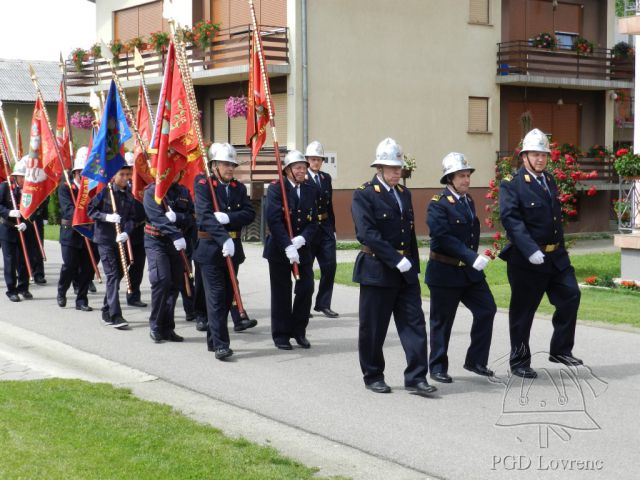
<point>535,141</point>
<point>223,152</point>
<point>294,156</point>
<point>20,168</point>
<point>388,153</point>
<point>128,158</point>
<point>314,149</point>
<point>81,158</point>
<point>454,162</point>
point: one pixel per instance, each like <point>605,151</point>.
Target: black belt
<point>207,236</point>
<point>368,250</point>
<point>323,216</point>
<point>438,257</point>
<point>552,247</point>
<point>153,231</point>
<point>65,223</point>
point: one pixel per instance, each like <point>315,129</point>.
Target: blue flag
<point>105,158</point>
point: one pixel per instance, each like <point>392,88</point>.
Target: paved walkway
<point>311,405</point>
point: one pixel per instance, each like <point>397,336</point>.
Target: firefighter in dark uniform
<point>136,271</point>
<point>163,240</point>
<point>454,271</point>
<point>290,320</point>
<point>537,260</point>
<point>219,237</point>
<point>39,218</point>
<point>323,245</point>
<point>103,212</point>
<point>16,275</point>
<point>387,270</point>
<point>76,262</point>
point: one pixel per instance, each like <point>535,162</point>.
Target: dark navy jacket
<point>137,235</point>
<point>532,218</point>
<point>239,209</point>
<point>179,200</point>
<point>454,234</point>
<point>42,213</point>
<point>100,206</point>
<point>68,236</point>
<point>326,216</point>
<point>8,230</point>
<point>304,220</point>
<point>386,231</point>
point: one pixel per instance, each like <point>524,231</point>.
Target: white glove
<point>298,242</point>
<point>45,222</point>
<point>180,244</point>
<point>14,213</point>
<point>171,215</point>
<point>292,254</point>
<point>112,218</point>
<point>122,237</point>
<point>21,227</point>
<point>537,258</point>
<point>480,263</point>
<point>222,217</point>
<point>228,248</point>
<point>404,265</point>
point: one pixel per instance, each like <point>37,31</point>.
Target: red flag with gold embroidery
<point>141,173</point>
<point>178,143</point>
<point>43,167</point>
<point>257,109</point>
<point>19,144</point>
<point>5,166</point>
<point>62,133</point>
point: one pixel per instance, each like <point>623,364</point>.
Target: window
<point>478,115</point>
<point>565,39</point>
<point>479,12</point>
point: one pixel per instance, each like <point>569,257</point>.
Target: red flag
<point>19,146</point>
<point>5,166</point>
<point>43,167</point>
<point>141,174</point>
<point>177,143</point>
<point>62,133</point>
<point>192,170</point>
<point>86,191</point>
<point>258,112</point>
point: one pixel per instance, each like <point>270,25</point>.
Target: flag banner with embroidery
<point>62,133</point>
<point>257,109</point>
<point>141,173</point>
<point>87,189</point>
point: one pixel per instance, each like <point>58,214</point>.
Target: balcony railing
<point>230,47</point>
<point>520,58</point>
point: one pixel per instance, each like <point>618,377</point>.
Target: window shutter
<point>478,114</point>
<point>273,13</point>
<point>220,125</point>
<point>479,11</point>
<point>149,18</point>
<point>125,24</point>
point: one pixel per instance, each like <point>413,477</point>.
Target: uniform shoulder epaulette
<point>364,185</point>
<point>233,183</point>
<point>508,178</point>
<point>400,189</point>
<point>202,181</point>
<point>376,188</point>
<point>273,182</point>
<point>451,199</point>
<point>436,198</point>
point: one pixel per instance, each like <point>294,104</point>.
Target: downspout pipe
<point>305,92</point>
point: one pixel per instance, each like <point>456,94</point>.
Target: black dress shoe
<point>479,369</point>
<point>156,337</point>
<point>568,360</point>
<point>303,342</point>
<point>441,377</point>
<point>202,326</point>
<point>40,281</point>
<point>310,315</point>
<point>14,297</point>
<point>422,389</point>
<point>283,345</point>
<point>173,337</point>
<point>244,324</point>
<point>378,387</point>
<point>62,301</point>
<point>118,322</point>
<point>83,308</point>
<point>327,312</point>
<point>92,288</point>
<point>224,352</point>
<point>27,295</point>
<point>137,303</point>
<point>524,372</point>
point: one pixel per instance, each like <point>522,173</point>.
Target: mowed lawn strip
<point>611,306</point>
<point>62,429</point>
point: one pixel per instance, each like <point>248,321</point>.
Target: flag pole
<point>34,79</point>
<point>138,62</point>
<point>5,162</point>
<point>123,259</point>
<point>272,124</point>
<point>16,122</point>
<point>63,69</point>
<point>187,82</point>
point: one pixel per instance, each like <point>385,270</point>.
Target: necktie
<point>396,197</point>
<point>465,202</point>
<point>543,184</point>
<point>317,179</point>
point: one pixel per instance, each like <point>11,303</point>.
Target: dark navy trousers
<point>324,250</point>
<point>136,271</point>
<point>215,279</point>
<point>76,266</point>
<point>165,275</point>
<point>16,276</point>
<point>113,272</point>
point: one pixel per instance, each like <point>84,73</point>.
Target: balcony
<point>520,64</point>
<point>226,60</point>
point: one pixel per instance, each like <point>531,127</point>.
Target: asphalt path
<point>568,423</point>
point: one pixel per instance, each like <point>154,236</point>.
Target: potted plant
<point>96,50</point>
<point>185,34</point>
<point>81,120</point>
<point>203,33</point>
<point>598,151</point>
<point>627,164</point>
<point>582,46</point>
<point>116,47</point>
<point>236,107</point>
<point>409,166</point>
<point>78,56</point>
<point>622,51</point>
<point>136,42</point>
<point>159,41</point>
<point>543,40</point>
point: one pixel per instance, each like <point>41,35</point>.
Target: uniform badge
<point>376,188</point>
<point>451,199</point>
<point>508,178</point>
<point>214,183</point>
<point>436,198</point>
<point>527,178</point>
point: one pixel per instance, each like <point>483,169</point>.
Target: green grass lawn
<point>68,429</point>
<point>52,232</point>
<point>611,306</point>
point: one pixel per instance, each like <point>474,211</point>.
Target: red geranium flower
<point>622,151</point>
<point>555,155</point>
<point>592,191</point>
<point>591,280</point>
<point>497,236</point>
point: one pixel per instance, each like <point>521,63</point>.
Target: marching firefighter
<point>454,271</point>
<point>16,275</point>
<point>219,237</point>
<point>164,239</point>
<point>387,270</point>
<point>537,260</point>
<point>290,320</point>
<point>323,245</point>
<point>76,262</point>
<point>108,217</point>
